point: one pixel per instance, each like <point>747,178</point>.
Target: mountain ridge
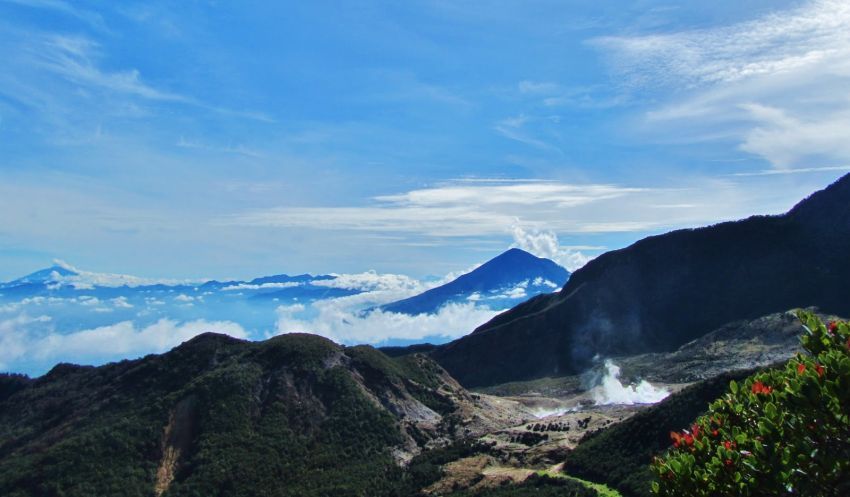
<point>293,415</point>
<point>666,290</point>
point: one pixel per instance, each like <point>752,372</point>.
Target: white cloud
<point>347,326</point>
<point>371,281</point>
<point>124,339</point>
<point>356,319</point>
<point>517,292</point>
<point>89,301</point>
<point>800,170</point>
<point>784,139</point>
<point>456,209</point>
<point>121,303</point>
<point>26,344</point>
<point>540,281</point>
<point>780,42</point>
<point>14,338</point>
<point>518,193</point>
<point>464,209</point>
<point>545,244</point>
<point>776,84</point>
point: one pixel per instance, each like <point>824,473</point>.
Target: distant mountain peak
<point>47,275</point>
<point>513,270</point>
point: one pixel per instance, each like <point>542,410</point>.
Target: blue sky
<point>233,139</point>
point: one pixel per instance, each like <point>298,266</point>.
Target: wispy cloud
<point>559,195</point>
<point>514,128</point>
<point>784,138</point>
<point>776,83</point>
<point>780,42</point>
<point>799,170</point>
<point>462,209</point>
<point>64,80</point>
<point>91,18</point>
<point>481,209</point>
<point>551,94</point>
<point>230,149</point>
<point>74,58</point>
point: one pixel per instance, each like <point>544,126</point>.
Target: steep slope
<point>501,282</point>
<point>666,290</point>
<point>295,415</point>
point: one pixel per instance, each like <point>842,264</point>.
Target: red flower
<point>728,462</point>
<point>676,437</point>
<point>801,368</point>
<point>714,433</point>
<point>832,326</point>
<point>695,430</point>
<point>761,388</point>
<point>728,445</point>
<point>689,440</point>
<point>819,369</point>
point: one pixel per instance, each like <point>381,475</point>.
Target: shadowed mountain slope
<point>667,290</point>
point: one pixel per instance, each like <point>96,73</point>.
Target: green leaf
<point>770,410</point>
<point>676,466</point>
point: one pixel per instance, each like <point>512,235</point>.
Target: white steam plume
<point>612,390</point>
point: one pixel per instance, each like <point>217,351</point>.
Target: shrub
<point>783,431</point>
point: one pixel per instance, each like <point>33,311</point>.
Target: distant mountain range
<point>667,290</point>
<point>63,277</point>
<point>500,283</point>
<point>62,300</point>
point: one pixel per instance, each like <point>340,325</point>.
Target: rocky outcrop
<point>177,437</point>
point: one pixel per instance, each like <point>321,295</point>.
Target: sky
<point>214,139</point>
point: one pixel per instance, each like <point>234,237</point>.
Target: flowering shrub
<point>784,431</point>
